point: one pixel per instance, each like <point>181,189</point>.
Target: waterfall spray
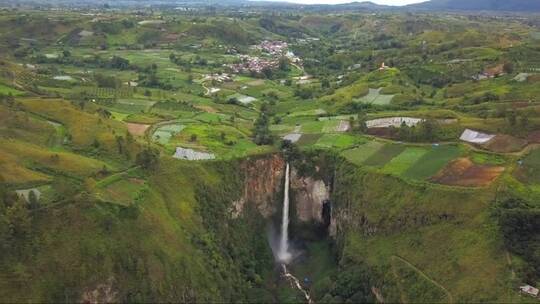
<point>284,255</point>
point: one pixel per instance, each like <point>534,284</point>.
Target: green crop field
<point>339,141</point>
<point>163,134</point>
<point>375,97</point>
<point>362,153</point>
<point>399,164</point>
<point>384,155</point>
<point>433,161</point>
<point>9,90</point>
<point>158,187</point>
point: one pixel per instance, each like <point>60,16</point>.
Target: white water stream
<point>284,255</point>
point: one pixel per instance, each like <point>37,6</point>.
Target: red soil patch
<point>463,172</point>
<point>534,137</point>
<point>520,104</point>
<point>390,133</point>
<point>137,129</point>
<point>505,144</point>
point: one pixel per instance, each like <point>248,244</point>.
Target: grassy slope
<point>164,247</point>
<point>445,233</point>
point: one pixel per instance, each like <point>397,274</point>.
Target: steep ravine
<point>198,233</point>
<point>398,241</point>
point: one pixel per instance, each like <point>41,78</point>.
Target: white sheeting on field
<point>475,137</point>
<point>393,122</point>
<point>190,154</point>
<point>25,193</point>
<point>292,137</point>
<point>343,126</point>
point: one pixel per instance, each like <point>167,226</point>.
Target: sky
<point>387,2</point>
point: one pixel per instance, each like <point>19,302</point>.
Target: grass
<point>9,90</point>
<point>13,172</point>
<point>433,161</point>
<point>308,139</point>
<point>384,155</point>
<point>529,171</point>
<point>399,164</point>
<point>359,155</point>
<point>461,254</point>
<point>63,162</point>
<point>338,141</point>
<point>123,191</point>
<point>413,282</point>
<point>312,127</point>
<point>375,97</point>
<point>85,128</point>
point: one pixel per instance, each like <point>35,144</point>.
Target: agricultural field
<point>159,135</point>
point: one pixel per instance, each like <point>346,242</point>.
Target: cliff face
<point>448,233</point>
<point>309,195</point>
<point>263,187</point>
<point>263,183</point>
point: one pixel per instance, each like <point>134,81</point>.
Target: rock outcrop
<point>309,196</point>
<point>263,187</point>
<point>263,183</point>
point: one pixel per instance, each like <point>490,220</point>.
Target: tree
<point>428,128</point>
<point>18,220</point>
<point>262,135</point>
<point>120,63</point>
<point>233,100</point>
<point>508,67</point>
<point>33,202</point>
<point>512,118</point>
<point>284,64</point>
<point>148,159</point>
<point>267,72</point>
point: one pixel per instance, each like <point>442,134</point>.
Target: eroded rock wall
<point>263,187</point>
<point>263,183</point>
<point>309,196</point>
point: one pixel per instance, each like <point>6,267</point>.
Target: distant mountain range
<point>480,5</point>
<point>432,5</point>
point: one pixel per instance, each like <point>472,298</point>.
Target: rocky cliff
<point>263,186</point>
<point>309,195</point>
<point>263,182</point>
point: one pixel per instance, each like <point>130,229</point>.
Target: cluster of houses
<point>223,77</point>
<point>274,48</point>
<point>490,73</point>
<point>253,64</point>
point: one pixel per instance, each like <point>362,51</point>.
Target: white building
<point>528,289</point>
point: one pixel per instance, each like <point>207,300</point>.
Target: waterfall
<point>284,255</point>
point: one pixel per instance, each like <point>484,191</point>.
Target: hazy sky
<point>388,2</point>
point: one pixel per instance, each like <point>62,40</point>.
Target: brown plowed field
<point>534,137</point>
<point>390,133</point>
<point>137,129</point>
<point>463,172</point>
<point>505,144</point>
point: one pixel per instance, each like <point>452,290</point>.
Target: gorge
<point>357,231</point>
